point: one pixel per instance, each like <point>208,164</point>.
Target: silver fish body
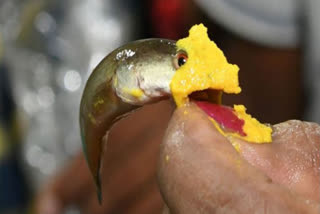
<point>131,76</point>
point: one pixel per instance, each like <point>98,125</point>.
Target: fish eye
<point>180,59</point>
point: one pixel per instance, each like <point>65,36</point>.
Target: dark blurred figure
<point>13,186</point>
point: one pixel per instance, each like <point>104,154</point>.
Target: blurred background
<point>48,49</point>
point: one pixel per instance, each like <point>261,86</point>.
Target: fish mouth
<point>209,95</point>
<point>225,117</point>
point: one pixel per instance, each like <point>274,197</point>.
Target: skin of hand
<point>198,169</point>
<point>129,170</point>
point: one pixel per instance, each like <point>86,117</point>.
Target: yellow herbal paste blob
<point>208,68</point>
<point>256,132</point>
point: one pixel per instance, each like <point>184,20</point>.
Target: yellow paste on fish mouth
<point>208,68</point>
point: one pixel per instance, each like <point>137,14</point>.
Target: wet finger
<point>200,172</point>
<point>293,159</point>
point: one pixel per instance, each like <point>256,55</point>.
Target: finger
<point>130,160</point>
<point>293,159</point>
<point>131,182</point>
<point>199,171</point>
<point>129,175</point>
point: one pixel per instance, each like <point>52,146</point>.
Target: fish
<point>131,76</point>
<point>147,71</point>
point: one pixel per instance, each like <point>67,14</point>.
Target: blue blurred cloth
<point>13,186</point>
<point>14,192</point>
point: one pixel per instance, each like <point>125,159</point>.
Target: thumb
<point>199,171</point>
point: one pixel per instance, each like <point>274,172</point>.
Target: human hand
<point>200,172</point>
<point>129,170</point>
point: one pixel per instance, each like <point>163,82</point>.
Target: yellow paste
<point>136,92</point>
<point>208,68</point>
